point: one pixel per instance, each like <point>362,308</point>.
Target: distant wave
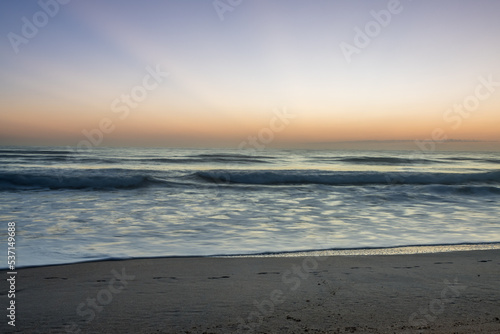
<point>33,152</point>
<point>201,159</point>
<point>10,156</point>
<point>102,179</point>
<point>19,181</point>
<point>473,190</point>
<point>230,155</point>
<point>374,160</point>
<point>491,161</point>
<point>379,160</point>
<point>35,157</point>
<point>211,159</point>
<point>285,177</point>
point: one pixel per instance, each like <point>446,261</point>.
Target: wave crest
<point>284,177</point>
<point>15,181</point>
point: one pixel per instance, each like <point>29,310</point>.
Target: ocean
<point>113,203</point>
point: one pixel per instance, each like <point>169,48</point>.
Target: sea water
<point>72,206</point>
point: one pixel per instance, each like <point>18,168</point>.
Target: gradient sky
<point>227,76</point>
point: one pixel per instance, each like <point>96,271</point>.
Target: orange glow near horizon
<point>169,129</point>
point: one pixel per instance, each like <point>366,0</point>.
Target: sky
<point>287,73</point>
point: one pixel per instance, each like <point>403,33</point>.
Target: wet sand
<point>455,292</point>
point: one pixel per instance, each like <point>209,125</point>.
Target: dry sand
<point>456,292</point>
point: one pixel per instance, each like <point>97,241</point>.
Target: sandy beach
<point>455,292</point>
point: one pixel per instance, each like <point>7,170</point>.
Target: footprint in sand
<point>219,277</point>
<point>53,277</point>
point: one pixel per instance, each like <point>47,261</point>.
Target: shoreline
<point>391,250</point>
<point>451,292</point>
<point>368,251</point>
